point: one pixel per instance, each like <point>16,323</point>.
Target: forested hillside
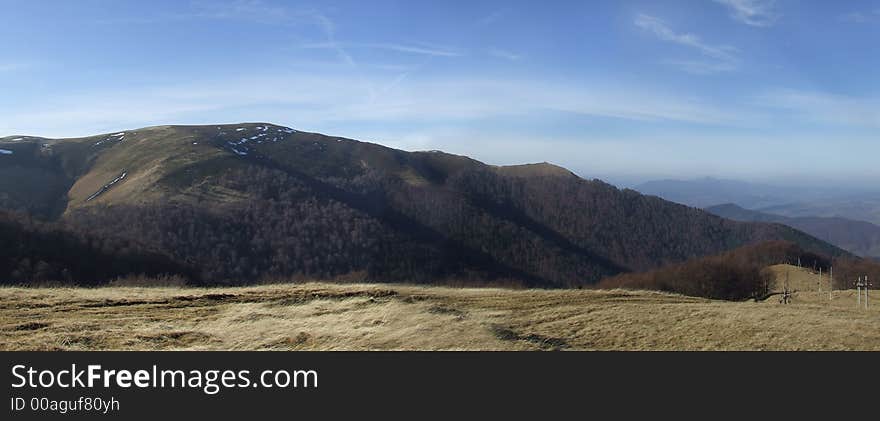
<point>251,202</point>
<point>45,253</point>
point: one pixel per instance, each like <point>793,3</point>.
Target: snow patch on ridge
<point>107,186</point>
<point>118,137</point>
<point>243,146</point>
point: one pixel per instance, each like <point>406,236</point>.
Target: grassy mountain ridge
<point>252,201</point>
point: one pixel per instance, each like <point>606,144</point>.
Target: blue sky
<point>758,90</point>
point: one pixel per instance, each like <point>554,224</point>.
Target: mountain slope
<point>858,237</point>
<point>37,252</point>
<point>258,201</point>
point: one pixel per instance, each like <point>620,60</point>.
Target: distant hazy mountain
<point>708,191</point>
<point>861,207</point>
<point>859,237</point>
<point>250,202</point>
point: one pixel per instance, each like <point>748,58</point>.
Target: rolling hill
<point>859,237</point>
<point>256,202</point>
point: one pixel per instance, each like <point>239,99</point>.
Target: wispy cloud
<point>328,27</point>
<point>259,11</point>
<point>400,48</point>
<point>752,12</point>
<point>491,18</point>
<point>822,107</point>
<point>504,54</point>
<point>659,28</point>
<point>415,49</point>
<point>12,66</point>
<point>312,100</point>
<point>703,67</point>
<point>872,16</point>
<point>255,10</point>
<point>723,57</point>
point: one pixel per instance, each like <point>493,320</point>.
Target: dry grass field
<point>317,316</point>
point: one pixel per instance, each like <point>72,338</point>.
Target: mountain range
<point>794,201</point>
<point>864,207</point>
<point>859,237</point>
<point>242,203</point>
